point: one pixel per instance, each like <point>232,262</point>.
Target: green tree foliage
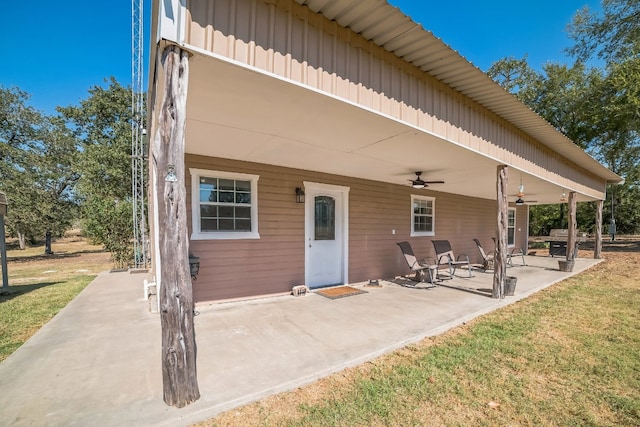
<point>598,107</point>
<point>37,170</point>
<point>613,36</point>
<point>110,222</point>
<point>102,125</point>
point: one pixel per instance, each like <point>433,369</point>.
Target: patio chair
<point>423,268</point>
<point>487,258</point>
<point>445,256</point>
<point>514,252</point>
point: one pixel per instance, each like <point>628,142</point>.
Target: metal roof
<point>388,27</point>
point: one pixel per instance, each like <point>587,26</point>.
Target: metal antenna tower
<point>138,134</point>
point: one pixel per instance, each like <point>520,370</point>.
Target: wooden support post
<point>500,258</point>
<point>180,383</point>
<point>597,251</point>
<point>573,230</point>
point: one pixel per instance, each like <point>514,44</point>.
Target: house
<point>305,122</point>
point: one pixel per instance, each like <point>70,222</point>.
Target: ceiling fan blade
<point>434,182</point>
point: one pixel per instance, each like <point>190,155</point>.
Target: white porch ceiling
<point>237,113</point>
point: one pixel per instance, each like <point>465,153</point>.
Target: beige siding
<point>275,262</point>
<point>285,38</point>
<point>241,268</point>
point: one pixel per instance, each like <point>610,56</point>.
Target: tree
<point>56,178</point>
<point>19,125</point>
<point>560,94</point>
<point>102,125</point>
<point>37,170</point>
<point>596,107</point>
<point>614,38</point>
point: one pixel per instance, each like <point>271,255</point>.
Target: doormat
<point>340,292</point>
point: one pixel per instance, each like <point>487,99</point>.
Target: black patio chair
<point>445,256</point>
<point>487,257</point>
<point>423,268</point>
<point>514,252</point>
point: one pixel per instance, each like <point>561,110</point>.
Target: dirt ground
<point>72,255</point>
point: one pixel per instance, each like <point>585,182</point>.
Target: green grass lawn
<point>29,306</point>
<point>569,355</point>
<point>40,286</point>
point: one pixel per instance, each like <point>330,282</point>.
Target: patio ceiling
<point>237,113</point>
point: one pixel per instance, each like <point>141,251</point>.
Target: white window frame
<point>511,244</point>
<point>415,233</point>
<point>196,233</point>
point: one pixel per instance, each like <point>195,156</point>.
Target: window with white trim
<point>423,216</point>
<point>224,205</point>
<point>511,227</point>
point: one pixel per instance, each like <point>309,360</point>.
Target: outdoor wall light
<point>299,195</point>
<point>171,174</point>
<point>194,266</point>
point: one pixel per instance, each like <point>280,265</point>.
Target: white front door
<point>326,235</point>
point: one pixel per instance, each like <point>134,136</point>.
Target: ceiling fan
<point>420,183</point>
<point>519,201</point>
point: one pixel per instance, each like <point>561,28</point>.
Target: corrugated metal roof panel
<point>352,13</point>
<point>412,38</point>
<point>390,28</point>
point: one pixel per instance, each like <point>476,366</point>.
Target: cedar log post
<point>597,251</point>
<point>500,258</point>
<point>180,383</point>
<point>573,230</point>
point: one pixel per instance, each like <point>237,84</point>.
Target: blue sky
<point>57,50</point>
<point>486,31</point>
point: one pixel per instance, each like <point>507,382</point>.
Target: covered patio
<point>356,123</point>
<point>247,350</point>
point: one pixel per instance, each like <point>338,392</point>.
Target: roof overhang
<point>235,112</point>
<point>242,113</point>
<point>389,28</point>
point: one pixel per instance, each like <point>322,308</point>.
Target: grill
<point>558,241</point>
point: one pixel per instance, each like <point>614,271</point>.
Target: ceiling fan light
<point>417,185</point>
<point>519,202</point>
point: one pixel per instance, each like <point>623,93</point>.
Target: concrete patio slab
<point>98,361</point>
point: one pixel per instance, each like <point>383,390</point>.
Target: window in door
<point>325,218</point>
